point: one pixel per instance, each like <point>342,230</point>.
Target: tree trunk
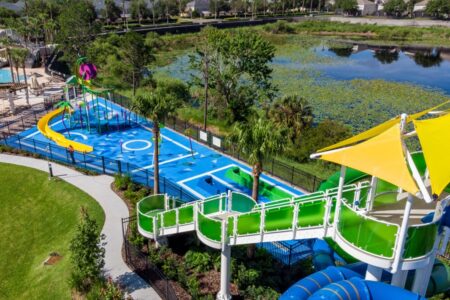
<point>255,191</point>
<point>155,157</point>
<point>134,84</point>
<point>205,116</point>
<point>256,174</point>
<point>26,82</point>
<point>11,66</point>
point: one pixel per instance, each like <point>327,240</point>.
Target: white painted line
<point>164,162</point>
<point>200,196</point>
<point>126,147</point>
<point>206,173</point>
<point>167,138</point>
<point>84,137</point>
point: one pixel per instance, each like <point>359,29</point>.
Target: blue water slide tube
<point>339,283</point>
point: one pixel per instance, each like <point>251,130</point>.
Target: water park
<point>380,222</point>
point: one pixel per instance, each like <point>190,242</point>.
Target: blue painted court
<point>127,138</point>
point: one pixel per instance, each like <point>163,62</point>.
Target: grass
<point>38,216</point>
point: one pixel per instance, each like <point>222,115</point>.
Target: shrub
<point>198,261</point>
<point>260,293</point>
<point>281,26</point>
<point>170,267</point>
<point>193,286</point>
<point>246,277</point>
<point>87,254</point>
<point>122,182</point>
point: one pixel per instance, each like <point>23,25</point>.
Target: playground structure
<point>361,214</point>
<point>87,114</point>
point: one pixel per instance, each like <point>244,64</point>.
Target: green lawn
<point>37,216</point>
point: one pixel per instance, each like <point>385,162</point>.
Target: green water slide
<point>236,219</point>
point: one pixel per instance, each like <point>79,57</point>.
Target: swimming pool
<point>5,75</point>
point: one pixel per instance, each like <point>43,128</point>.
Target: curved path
<point>99,188</point>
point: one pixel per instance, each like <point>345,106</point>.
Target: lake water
<point>429,68</point>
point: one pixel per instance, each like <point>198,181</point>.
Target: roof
<point>16,7</point>
<point>381,156</point>
<point>100,4</point>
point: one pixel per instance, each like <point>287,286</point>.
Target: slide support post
<point>225,266</point>
<point>373,273</point>
<point>401,240</point>
<point>339,199</point>
<point>399,278</point>
<point>372,192</point>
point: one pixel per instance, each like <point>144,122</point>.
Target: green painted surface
<point>241,203</point>
<point>169,218</point>
<point>151,203</point>
<point>244,179</point>
<point>367,234</point>
<point>210,228</point>
<point>249,223</point>
<point>146,222</point>
<point>420,240</point>
<point>211,206</point>
<point>186,214</point>
<point>278,218</point>
<point>230,226</point>
<point>311,213</point>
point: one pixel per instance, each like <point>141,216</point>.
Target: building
<point>366,7</point>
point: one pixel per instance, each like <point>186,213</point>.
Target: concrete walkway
<point>98,187</point>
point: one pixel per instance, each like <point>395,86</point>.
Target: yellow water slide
<point>58,138</point>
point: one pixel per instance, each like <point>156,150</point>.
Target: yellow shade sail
<point>381,156</point>
<point>379,129</point>
<point>434,136</point>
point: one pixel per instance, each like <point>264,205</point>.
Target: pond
<point>342,80</point>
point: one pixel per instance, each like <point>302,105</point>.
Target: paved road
<point>99,188</point>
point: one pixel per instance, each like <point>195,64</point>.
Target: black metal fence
<point>87,161</point>
<point>274,166</point>
<point>289,253</point>
<point>140,264</point>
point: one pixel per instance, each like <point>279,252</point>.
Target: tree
<point>238,71</point>
<point>112,11</point>
<point>395,7</point>
<point>292,113</point>
<point>257,140</point>
<point>347,6</point>
<point>6,43</point>
<point>438,8</point>
<point>87,253</point>
<point>22,55</point>
<point>157,105</point>
<point>15,59</point>
<point>136,55</point>
<point>326,133</point>
<point>77,27</point>
<point>139,10</point>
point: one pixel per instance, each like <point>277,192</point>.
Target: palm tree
<point>257,140</point>
<point>4,42</point>
<point>15,59</point>
<point>22,54</point>
<point>293,113</point>
<point>66,106</point>
<point>157,105</point>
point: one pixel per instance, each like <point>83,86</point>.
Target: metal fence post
<point>292,179</point>
<point>103,164</point>
<point>273,160</point>
<point>146,176</point>
<point>84,159</point>
<point>20,144</point>
<point>119,167</point>
<point>9,130</point>
<point>23,124</point>
<point>35,118</point>
<point>50,150</point>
